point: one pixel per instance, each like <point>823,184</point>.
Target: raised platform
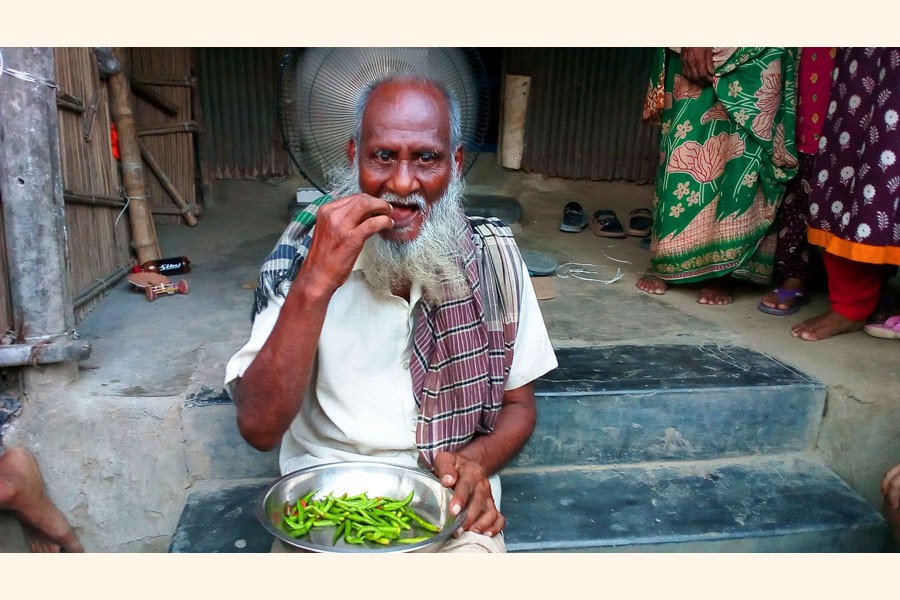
<point>636,448</point>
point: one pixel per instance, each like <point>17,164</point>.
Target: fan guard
<point>319,88</point>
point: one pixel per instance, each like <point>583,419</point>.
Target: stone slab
<point>223,520</point>
<point>636,368</point>
<point>628,403</point>
<point>777,504</point>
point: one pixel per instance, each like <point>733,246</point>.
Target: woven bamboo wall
<point>97,245</point>
<point>166,72</point>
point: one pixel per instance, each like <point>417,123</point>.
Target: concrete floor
<point>118,448</point>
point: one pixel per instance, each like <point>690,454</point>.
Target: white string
<point>124,208</point>
<point>579,273</point>
<point>49,336</point>
<point>618,260</point>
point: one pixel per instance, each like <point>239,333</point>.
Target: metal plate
<point>431,501</point>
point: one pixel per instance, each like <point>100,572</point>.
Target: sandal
<point>605,223</point>
<point>889,330</point>
<point>640,221</point>
<point>573,220</point>
<point>783,296</point>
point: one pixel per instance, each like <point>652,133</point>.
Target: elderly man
<point>397,329</point>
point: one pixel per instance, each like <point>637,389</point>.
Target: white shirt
<point>360,403</point>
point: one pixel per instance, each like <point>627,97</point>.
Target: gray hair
<point>423,80</point>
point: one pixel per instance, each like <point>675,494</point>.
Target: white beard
<point>432,259</point>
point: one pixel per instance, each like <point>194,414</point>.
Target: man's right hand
<point>697,65</point>
<point>269,393</point>
<point>342,227</point>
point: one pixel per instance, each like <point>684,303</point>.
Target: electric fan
<point>319,89</point>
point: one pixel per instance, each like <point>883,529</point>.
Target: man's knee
<point>475,543</point>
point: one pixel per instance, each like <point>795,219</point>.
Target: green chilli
<point>358,519</point>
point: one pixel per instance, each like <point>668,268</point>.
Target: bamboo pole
<point>95,200</point>
<point>167,184</point>
<point>142,229</point>
<point>186,127</point>
<point>157,100</point>
<point>163,81</point>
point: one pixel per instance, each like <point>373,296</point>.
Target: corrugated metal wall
<point>584,112</point>
<point>238,87</point>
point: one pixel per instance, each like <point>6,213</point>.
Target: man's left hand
<point>471,488</point>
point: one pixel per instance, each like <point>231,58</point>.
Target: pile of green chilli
<point>357,518</point>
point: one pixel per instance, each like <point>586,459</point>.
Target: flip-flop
<point>605,223</point>
<point>783,296</point>
<point>889,330</point>
<point>640,221</point>
<point>538,263</point>
<point>573,220</point>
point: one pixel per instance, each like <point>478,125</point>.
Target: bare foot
<point>652,285</point>
<point>771,299</point>
<point>715,292</point>
<point>825,326</point>
<point>22,492</point>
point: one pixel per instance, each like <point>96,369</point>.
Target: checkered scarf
<point>462,349</point>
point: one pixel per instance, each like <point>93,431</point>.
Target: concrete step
<point>787,503</point>
<point>627,404</point>
<point>636,448</point>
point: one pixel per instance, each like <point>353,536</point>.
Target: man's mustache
<point>416,200</point>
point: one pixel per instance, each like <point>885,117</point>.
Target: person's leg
<point>793,253</point>
<point>474,543</point>
<point>22,492</point>
<point>853,288</point>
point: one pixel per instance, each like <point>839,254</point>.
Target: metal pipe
<point>64,350</point>
<point>99,287</point>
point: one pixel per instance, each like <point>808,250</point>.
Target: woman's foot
<point>652,285</point>
<point>825,326</point>
<point>784,300</point>
<point>715,292</point>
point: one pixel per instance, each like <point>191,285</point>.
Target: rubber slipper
<point>538,263</point>
<point>889,330</point>
<point>640,221</point>
<point>783,296</point>
<point>605,223</point>
<point>573,220</point>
